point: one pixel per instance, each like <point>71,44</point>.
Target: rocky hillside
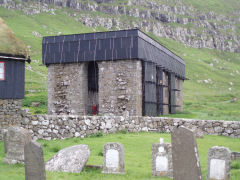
<point>199,24</point>
<point>183,26</point>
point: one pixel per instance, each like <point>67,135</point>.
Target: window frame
<point>4,77</point>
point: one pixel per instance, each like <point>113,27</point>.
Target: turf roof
<point>9,43</point>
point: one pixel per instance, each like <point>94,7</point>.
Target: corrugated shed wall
<point>13,85</point>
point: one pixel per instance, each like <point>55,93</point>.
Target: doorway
<point>92,88</point>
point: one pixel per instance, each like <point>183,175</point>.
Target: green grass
<point>201,100</point>
<point>137,156</point>
<point>9,44</point>
<point>212,100</point>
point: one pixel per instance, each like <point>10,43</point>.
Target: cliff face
<point>177,20</point>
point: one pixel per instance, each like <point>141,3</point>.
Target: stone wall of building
<point>120,87</point>
<point>179,94</point>
<point>67,89</point>
<point>165,93</point>
<point>66,126</point>
<point>10,113</point>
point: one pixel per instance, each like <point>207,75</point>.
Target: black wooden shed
<point>130,44</point>
<point>13,55</point>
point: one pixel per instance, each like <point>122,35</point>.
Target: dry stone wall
<point>66,126</point>
<point>10,113</point>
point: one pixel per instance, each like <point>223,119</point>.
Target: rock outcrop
<point>178,21</point>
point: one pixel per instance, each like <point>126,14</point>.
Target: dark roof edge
<point>93,32</point>
<point>139,33</point>
<point>56,38</point>
<point>15,57</point>
<point>159,46</point>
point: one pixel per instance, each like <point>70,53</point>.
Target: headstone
<point>14,141</point>
<point>185,155</point>
<point>219,163</point>
<point>113,158</point>
<point>71,159</point>
<point>235,155</point>
<point>162,159</point>
<point>34,162</point>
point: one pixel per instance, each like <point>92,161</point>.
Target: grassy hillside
<point>213,75</point>
<point>137,148</point>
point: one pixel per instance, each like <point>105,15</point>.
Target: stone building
<point>13,55</point>
<point>122,72</point>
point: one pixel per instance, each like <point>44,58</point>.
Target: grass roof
<point>9,43</point>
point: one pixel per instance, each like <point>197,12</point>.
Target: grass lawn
<point>137,156</point>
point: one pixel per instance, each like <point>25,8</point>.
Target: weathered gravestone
<point>34,163</point>
<point>219,163</point>
<point>186,164</point>
<point>235,155</point>
<point>71,159</point>
<point>113,158</point>
<point>14,141</point>
<point>162,159</point>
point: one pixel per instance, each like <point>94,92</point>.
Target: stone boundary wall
<point>65,126</point>
<point>10,113</point>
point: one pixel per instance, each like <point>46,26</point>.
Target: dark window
<point>93,76</point>
<point>2,71</point>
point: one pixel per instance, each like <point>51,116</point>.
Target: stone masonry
<point>165,93</point>
<point>120,87</point>
<point>67,89</point>
<point>10,113</point>
<point>179,94</point>
<point>59,127</point>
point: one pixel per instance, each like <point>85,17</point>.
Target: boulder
<point>71,159</point>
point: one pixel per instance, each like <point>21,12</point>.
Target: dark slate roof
<point>112,45</point>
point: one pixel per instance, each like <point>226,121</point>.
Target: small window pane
<point>2,71</point>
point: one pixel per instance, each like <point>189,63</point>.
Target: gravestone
<point>219,163</point>
<point>162,159</point>
<point>235,155</point>
<point>70,159</point>
<point>34,163</point>
<point>14,141</point>
<point>186,164</point>
<point>113,158</point>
